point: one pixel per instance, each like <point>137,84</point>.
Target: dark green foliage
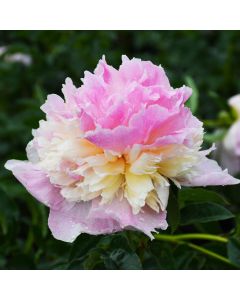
<point>199,195</point>
<point>234,250</point>
<point>192,103</point>
<point>208,61</point>
<point>173,216</point>
<point>204,213</point>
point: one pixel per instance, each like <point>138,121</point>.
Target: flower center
<point>84,171</point>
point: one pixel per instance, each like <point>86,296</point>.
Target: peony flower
<point>104,158</point>
<point>229,150</point>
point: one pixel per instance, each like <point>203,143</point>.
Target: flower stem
<point>180,239</point>
<point>191,236</point>
<point>210,253</point>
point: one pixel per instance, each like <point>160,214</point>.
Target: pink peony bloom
<point>229,150</point>
<point>104,158</point>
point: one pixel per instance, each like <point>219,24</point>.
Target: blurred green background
<point>209,61</point>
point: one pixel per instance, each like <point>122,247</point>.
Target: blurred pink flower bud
<point>22,58</point>
<point>229,150</point>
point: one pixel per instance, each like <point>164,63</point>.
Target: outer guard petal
<point>37,183</point>
<point>207,172</point>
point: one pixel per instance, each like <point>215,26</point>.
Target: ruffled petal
<point>55,108</point>
<point>162,187</point>
<point>207,172</point>
<point>95,218</point>
<point>144,72</point>
<point>70,92</point>
<point>147,220</point>
<point>67,225</point>
<point>86,122</point>
<point>37,183</point>
<point>137,189</point>
<point>106,72</point>
<point>142,129</point>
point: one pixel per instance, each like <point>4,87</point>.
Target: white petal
<point>161,185</point>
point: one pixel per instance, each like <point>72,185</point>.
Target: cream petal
<point>111,168</point>
<point>103,183</point>
<point>76,194</point>
<point>162,186</point>
<point>110,191</point>
<point>145,164</point>
<point>137,189</point>
<point>152,201</point>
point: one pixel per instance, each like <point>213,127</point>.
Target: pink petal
<point>92,96</point>
<point>231,140</point>
<point>94,218</point>
<point>106,72</point>
<point>69,90</point>
<point>63,227</point>
<point>120,211</point>
<point>67,225</point>
<point>155,126</point>
<point>55,108</point>
<point>207,172</point>
<point>227,159</point>
<point>36,182</point>
<point>234,102</point>
<point>144,72</point>
<point>86,122</point>
<point>140,127</point>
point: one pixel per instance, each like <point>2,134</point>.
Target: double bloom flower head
<point>105,156</point>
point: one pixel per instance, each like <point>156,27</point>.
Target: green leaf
<point>237,219</point>
<point>183,256</point>
<point>83,245</point>
<point>233,249</point>
<point>173,215</point>
<point>199,195</point>
<point>40,94</point>
<point>120,259</point>
<point>203,213</point>
<point>115,241</point>
<point>192,103</point>
<point>94,260</point>
<point>113,252</point>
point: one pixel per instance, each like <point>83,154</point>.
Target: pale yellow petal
<point>76,194</point>
<point>105,182</point>
<point>133,154</point>
<point>146,164</point>
<point>152,201</point>
<point>110,191</point>
<point>111,168</point>
<point>162,186</point>
<point>136,189</point>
